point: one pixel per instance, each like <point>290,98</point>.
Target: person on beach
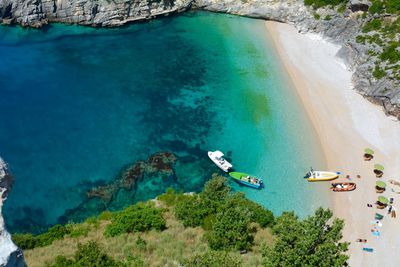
<point>369,205</point>
<point>390,209</point>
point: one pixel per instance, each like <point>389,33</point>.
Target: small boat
<point>343,187</point>
<point>218,158</point>
<point>246,179</point>
<point>316,176</point>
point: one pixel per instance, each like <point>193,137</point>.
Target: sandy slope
<point>346,123</point>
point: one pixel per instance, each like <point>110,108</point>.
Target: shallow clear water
<point>78,105</point>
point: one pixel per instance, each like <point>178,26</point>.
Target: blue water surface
<point>80,105</point>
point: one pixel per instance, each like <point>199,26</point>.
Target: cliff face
<point>103,13</point>
<point>10,254</point>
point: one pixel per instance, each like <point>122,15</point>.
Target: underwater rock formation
<point>108,196</point>
<point>10,254</point>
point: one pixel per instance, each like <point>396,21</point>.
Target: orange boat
<point>343,187</point>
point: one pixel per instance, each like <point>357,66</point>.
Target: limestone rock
<point>10,254</point>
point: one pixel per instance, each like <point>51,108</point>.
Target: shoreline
<point>345,124</point>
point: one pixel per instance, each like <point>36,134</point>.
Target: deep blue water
<point>78,106</point>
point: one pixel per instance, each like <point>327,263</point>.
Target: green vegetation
<point>322,3</point>
<point>87,255</point>
<point>311,242</point>
<point>373,25</point>
<point>214,258</point>
<point>391,52</point>
<point>29,241</point>
<point>204,229</point>
<point>137,218</point>
<point>342,8</point>
<point>317,16</point>
<point>327,17</point>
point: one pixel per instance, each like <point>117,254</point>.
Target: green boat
<point>246,179</point>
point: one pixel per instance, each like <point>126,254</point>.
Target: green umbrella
<point>381,184</point>
<point>383,200</point>
<point>369,151</point>
<point>379,167</point>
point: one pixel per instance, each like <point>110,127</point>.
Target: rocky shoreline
<point>10,254</point>
<point>340,28</point>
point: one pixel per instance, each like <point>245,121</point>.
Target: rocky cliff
<point>10,255</point>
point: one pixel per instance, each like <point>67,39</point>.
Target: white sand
<point>346,123</point>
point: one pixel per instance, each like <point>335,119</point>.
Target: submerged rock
<point>158,166</point>
<point>10,254</point>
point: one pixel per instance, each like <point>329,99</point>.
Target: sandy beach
<point>346,124</point>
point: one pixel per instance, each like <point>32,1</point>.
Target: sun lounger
<point>368,249</point>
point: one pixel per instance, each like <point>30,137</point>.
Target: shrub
<point>375,24</point>
<point>327,17</point>
<point>360,39</point>
<point>24,241</point>
<point>378,73</point>
<point>105,216</point>
<point>317,16</point>
<point>376,7</point>
<point>87,255</point>
<point>391,53</point>
<point>29,241</point>
<point>191,211</point>
<point>77,230</point>
<point>322,3</point>
<point>342,8</point>
<point>137,218</point>
<point>213,259</point>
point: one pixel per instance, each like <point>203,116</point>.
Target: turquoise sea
<point>79,106</point>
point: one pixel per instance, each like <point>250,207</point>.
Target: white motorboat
<point>218,158</point>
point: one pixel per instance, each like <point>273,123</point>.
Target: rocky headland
<point>375,79</point>
<point>10,254</point>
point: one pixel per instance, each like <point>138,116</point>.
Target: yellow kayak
<point>317,176</point>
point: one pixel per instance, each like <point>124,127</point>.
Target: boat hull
<point>344,187</point>
<point>320,176</point>
<point>237,176</point>
<point>220,161</point>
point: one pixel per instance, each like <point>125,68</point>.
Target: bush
<point>376,7</point>
<point>391,53</point>
<point>87,255</point>
<point>191,211</point>
<point>342,8</point>
<point>105,216</point>
<point>29,241</point>
<point>327,17</point>
<point>375,24</point>
<point>137,218</point>
<point>24,241</point>
<point>378,73</point>
<point>322,3</point>
<point>213,259</point>
<point>77,230</point>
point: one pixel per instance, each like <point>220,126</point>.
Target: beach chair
<point>368,249</point>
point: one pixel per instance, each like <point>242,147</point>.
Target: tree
<point>231,229</point>
<point>311,242</point>
<point>214,193</point>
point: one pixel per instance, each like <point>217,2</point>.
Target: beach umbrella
<point>369,151</point>
<point>383,200</point>
<point>381,184</point>
<point>379,167</point>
